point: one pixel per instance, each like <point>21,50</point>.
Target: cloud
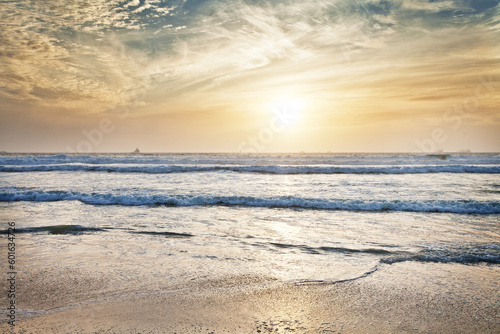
<point>428,6</point>
<point>133,3</point>
<point>97,55</point>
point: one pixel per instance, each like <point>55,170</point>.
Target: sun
<point>289,109</point>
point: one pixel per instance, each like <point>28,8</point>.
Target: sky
<point>249,76</point>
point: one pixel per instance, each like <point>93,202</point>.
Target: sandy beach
<point>398,298</point>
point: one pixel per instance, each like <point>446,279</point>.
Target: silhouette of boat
<point>137,151</point>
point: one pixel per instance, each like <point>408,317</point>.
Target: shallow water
<point>277,217</point>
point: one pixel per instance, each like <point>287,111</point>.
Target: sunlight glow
<point>290,108</point>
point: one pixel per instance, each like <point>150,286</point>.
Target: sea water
<point>163,220</point>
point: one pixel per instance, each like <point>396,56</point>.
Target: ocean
<point>111,224</point>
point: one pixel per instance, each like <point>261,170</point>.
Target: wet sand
<point>408,297</point>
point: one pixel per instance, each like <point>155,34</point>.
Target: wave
<point>461,207</point>
<point>254,159</point>
<point>464,255</point>
<point>488,254</point>
<point>266,169</point>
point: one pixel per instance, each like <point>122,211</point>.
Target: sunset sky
<point>249,76</point>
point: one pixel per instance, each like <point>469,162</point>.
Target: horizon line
<point>254,153</point>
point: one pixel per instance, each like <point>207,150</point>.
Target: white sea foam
<point>462,207</point>
<point>257,159</point>
<point>265,169</point>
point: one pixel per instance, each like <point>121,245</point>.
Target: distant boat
<point>137,151</point>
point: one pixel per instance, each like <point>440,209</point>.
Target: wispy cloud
<point>92,56</point>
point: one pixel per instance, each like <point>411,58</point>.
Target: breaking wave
<point>263,169</point>
<point>461,207</point>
